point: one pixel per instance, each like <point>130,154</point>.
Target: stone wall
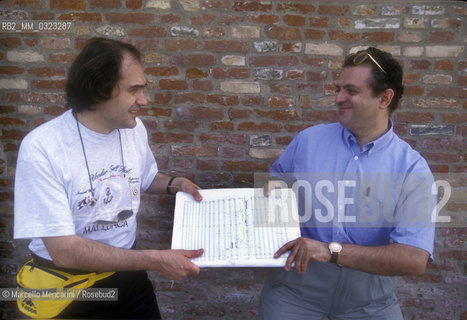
<point>231,83</point>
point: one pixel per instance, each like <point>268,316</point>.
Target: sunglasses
<point>362,56</point>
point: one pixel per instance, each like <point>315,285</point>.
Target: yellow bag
<point>32,277</point>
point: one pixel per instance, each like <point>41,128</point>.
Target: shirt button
<point>355,158</point>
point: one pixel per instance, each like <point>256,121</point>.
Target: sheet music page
<point>236,227</point>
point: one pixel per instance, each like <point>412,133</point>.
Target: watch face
<point>335,247</point>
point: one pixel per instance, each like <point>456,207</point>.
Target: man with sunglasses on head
<point>365,202</point>
<point>79,179</point>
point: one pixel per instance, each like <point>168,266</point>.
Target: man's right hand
<point>75,252</point>
<point>176,264</point>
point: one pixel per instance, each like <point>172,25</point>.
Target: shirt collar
<point>373,146</point>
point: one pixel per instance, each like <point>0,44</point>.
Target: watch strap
<point>334,256</point>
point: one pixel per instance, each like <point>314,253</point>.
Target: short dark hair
<point>380,81</point>
<point>95,72</point>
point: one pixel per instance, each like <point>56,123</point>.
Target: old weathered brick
<point>222,125</point>
<point>68,4</point>
<point>181,44</point>
<point>47,72</point>
<point>240,87</point>
<point>252,6</point>
<point>225,46</point>
<point>10,42</point>
<point>342,35</point>
<point>413,51</point>
<point>323,49</point>
<point>294,20</point>
<point>172,138</point>
<point>284,140</point>
<point>163,98</point>
<point>172,84</point>
<point>430,129</point>
<point>412,117</point>
<point>62,58</point>
<point>265,61</point>
<point>233,152</point>
<point>295,47</point>
<point>203,85</point>
<point>204,151</point>
<point>295,75</point>
<point>413,91</point>
<point>378,36</point>
<point>239,113</point>
<point>259,153</point>
<point>279,115</point>
<point>410,36</point>
<point>437,79</point>
<point>264,18</point>
<point>448,92</point>
<point>11,70</point>
<point>207,165</point>
<point>297,7</point>
<point>193,97</point>
<point>134,4</point>
<point>136,17</point>
<point>162,71</point>
<point>281,102</point>
<point>169,18</point>
<point>264,126</point>
<point>377,23</point>
<point>246,32</point>
<point>199,113</point>
<point>427,10</point>
<point>13,84</point>
<point>268,74</point>
<point>313,34</point>
<point>438,51</point>
<point>319,21</point>
<point>193,60</point>
<point>420,64</point>
<point>260,140</point>
<point>81,17</point>
<point>265,46</point>
<point>332,10</point>
<point>110,31</point>
<point>230,73</point>
<point>365,10</point>
<point>284,33</point>
<point>223,100</point>
<point>252,100</point>
<point>415,23</point>
<point>158,4</point>
<point>188,125</point>
<point>196,73</point>
<point>106,4</point>
<point>24,56</point>
<point>148,32</point>
<point>232,60</point>
<point>446,23</point>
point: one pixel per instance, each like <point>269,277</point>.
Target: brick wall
<point>231,83</point>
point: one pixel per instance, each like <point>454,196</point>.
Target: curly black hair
<point>95,72</point>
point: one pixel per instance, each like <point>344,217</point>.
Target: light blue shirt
<point>369,197</point>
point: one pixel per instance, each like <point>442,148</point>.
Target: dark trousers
<point>136,299</point>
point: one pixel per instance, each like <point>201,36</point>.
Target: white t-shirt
<point>52,188</point>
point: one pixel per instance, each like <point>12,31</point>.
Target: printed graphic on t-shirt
<point>108,206</point>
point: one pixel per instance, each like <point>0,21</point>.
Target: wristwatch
<point>335,248</point>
